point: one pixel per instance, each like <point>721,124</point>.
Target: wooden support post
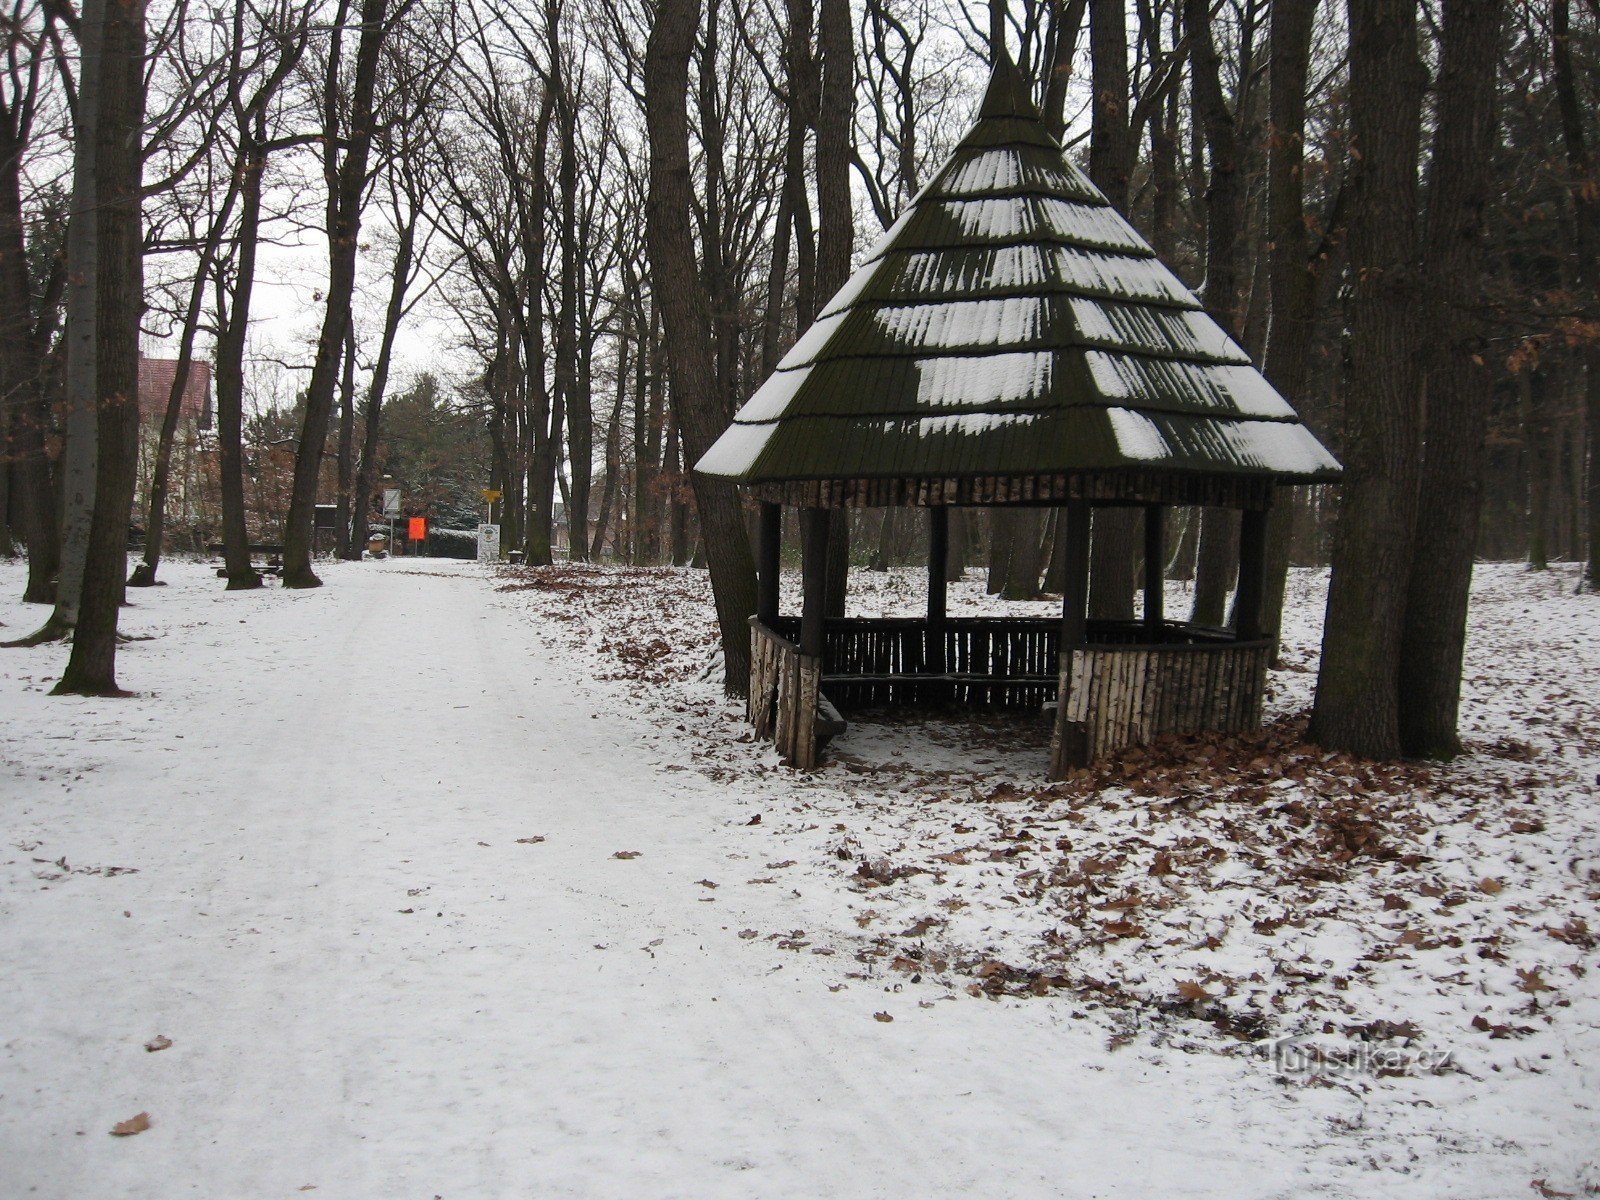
<point>770,541</point>
<point>1248,604</point>
<point>1075,589</point>
<point>814,578</point>
<point>1070,747</point>
<point>938,562</point>
<point>1155,570</point>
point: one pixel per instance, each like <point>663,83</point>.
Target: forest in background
<point>623,213</point>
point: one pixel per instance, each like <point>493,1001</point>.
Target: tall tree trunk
<point>608,497</point>
<point>22,391</point>
<point>1458,384</point>
<point>835,224</point>
<point>1290,268</point>
<point>1114,544</point>
<point>576,404</point>
<point>1219,527</point>
<point>344,229</point>
<point>1534,385</point>
<point>234,325</point>
<point>687,324</point>
<point>544,426</point>
<point>1584,187</point>
<point>1216,565</point>
<point>378,385</point>
<point>106,197</point>
<point>1357,702</point>
<point>346,456</point>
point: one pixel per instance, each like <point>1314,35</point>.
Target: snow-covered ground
<point>458,883</point>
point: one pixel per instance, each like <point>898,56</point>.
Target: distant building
<point>192,500</point>
<point>155,388</point>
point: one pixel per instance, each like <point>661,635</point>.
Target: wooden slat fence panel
<point>1117,696</point>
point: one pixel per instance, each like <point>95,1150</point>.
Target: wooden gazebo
<point>1013,341</point>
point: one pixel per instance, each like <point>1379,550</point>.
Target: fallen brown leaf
<point>159,1042</point>
<point>134,1124</point>
<point>626,854</point>
<point>881,1016</point>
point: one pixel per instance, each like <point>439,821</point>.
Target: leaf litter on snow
<point>1209,892</point>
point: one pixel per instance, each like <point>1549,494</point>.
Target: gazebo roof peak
<point>1011,324</point>
<point>1007,94</point>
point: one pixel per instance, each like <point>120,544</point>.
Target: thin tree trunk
<point>1585,191</point>
<point>576,404</point>
<point>1114,544</point>
<point>544,427</point>
<point>234,324</point>
<point>1181,566</point>
<point>1219,528</point>
<point>344,229</point>
<point>1458,385</point>
<point>1357,702</point>
<point>22,391</point>
<point>835,224</point>
<point>1534,385</point>
<point>346,454</point>
<point>608,497</point>
<point>1290,267</point>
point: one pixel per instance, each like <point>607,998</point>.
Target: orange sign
<point>417,528</point>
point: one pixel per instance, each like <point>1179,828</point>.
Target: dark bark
<point>1357,702</point>
<point>835,223</point>
<point>544,406</point>
<point>347,187</point>
<point>1291,270</point>
<point>346,454</point>
<point>1460,189</point>
<point>234,321</point>
<point>687,325</point>
<point>576,405</point>
<point>1584,188</point>
<point>1066,24</point>
<point>1216,566</point>
<point>608,497</point>
<point>1114,546</point>
<point>1219,528</point>
<point>106,198</point>
<point>22,391</point>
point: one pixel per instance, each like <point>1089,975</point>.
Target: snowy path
<point>374,990</point>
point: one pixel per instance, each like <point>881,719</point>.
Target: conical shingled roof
<point>1011,322</point>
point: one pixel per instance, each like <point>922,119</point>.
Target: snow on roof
<point>1011,321</point>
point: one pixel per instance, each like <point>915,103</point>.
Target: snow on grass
<point>447,881</point>
<point>1435,925</point>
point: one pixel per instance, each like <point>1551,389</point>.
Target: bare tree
<point>105,251</point>
<point>347,145</point>
<point>688,326</point>
<point>1357,704</point>
<point>1458,381</point>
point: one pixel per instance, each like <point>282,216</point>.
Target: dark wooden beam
<point>1075,592</point>
<point>814,578</point>
<point>1070,746</point>
<point>1155,569</point>
<point>1248,605</point>
<point>769,547</point>
<point>938,561</point>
